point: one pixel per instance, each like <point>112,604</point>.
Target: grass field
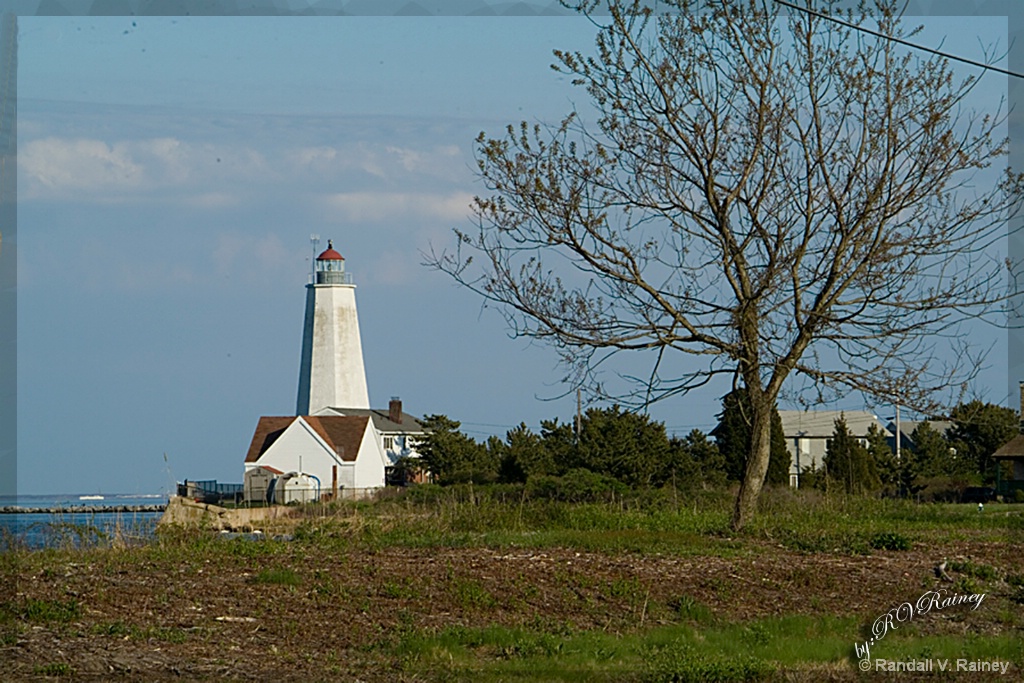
<point>434,584</point>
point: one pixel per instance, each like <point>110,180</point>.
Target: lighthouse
<point>331,372</point>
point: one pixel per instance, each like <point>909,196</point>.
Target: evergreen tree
<point>523,455</point>
<point>451,456</point>
<point>780,462</point>
<point>930,455</point>
<point>847,463</point>
<point>733,437</point>
<point>709,465</point>
<point>979,430</point>
<point>624,445</point>
<point>886,464</point>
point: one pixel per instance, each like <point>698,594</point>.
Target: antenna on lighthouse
<point>315,240</point>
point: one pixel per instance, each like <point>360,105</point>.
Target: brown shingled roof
<point>267,431</point>
<point>342,433</point>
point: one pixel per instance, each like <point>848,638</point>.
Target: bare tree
<point>797,204</point>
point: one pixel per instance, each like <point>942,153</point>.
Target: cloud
<point>225,174</point>
<point>57,164</point>
<point>376,207</point>
<point>93,170</point>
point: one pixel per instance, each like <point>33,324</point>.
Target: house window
<point>389,443</point>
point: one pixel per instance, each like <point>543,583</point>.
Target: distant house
<point>1012,452</point>
<point>807,433</point>
<point>340,453</point>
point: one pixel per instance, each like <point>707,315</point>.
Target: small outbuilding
<point>1012,452</point>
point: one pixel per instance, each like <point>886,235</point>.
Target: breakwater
<point>81,509</point>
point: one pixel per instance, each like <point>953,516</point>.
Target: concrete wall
<point>185,512</point>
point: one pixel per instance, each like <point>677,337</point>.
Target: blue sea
<point>79,528</point>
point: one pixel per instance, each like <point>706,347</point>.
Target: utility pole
<point>315,241</point>
<point>579,414</point>
<point>898,430</point>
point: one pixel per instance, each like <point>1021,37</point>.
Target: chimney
<point>395,407</point>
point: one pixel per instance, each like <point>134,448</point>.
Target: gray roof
<point>822,423</point>
<point>1013,450</point>
<point>382,421</point>
<point>907,427</point>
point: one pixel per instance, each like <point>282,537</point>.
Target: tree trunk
<point>757,460</point>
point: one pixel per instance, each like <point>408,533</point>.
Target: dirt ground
<point>306,613</point>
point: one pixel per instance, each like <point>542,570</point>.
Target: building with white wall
<point>343,453</point>
<point>331,371</point>
<point>807,433</point>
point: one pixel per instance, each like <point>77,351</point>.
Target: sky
<point>170,173</point>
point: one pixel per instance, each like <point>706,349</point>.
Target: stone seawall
<point>80,509</point>
<point>187,512</point>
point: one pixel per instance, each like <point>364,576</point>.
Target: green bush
<point>888,540</point>
<point>577,486</point>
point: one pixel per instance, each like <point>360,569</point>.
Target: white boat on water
<point>90,497</point>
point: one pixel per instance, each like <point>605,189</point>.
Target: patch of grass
<point>282,576</point>
<point>972,646</point>
<point>750,651</point>
<point>399,590</point>
<point>966,584</point>
<point>978,571</point>
<point>61,611</point>
<point>689,609</point>
<point>113,628</point>
<point>8,635</point>
<point>58,669</point>
<point>626,588</point>
<point>471,594</point>
<point>682,663</point>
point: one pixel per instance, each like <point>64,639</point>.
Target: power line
<point>915,46</point>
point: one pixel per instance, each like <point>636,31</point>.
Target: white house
<point>808,431</point>
<point>342,453</point>
<point>398,431</point>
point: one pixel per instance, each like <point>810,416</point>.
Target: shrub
<point>577,486</point>
<point>888,540</point>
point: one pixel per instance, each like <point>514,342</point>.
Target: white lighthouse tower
<point>331,372</point>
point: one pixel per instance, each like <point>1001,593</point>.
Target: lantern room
<point>330,267</point>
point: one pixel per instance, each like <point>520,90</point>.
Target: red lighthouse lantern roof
<point>329,254</point>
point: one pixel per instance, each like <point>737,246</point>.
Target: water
<point>74,529</point>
